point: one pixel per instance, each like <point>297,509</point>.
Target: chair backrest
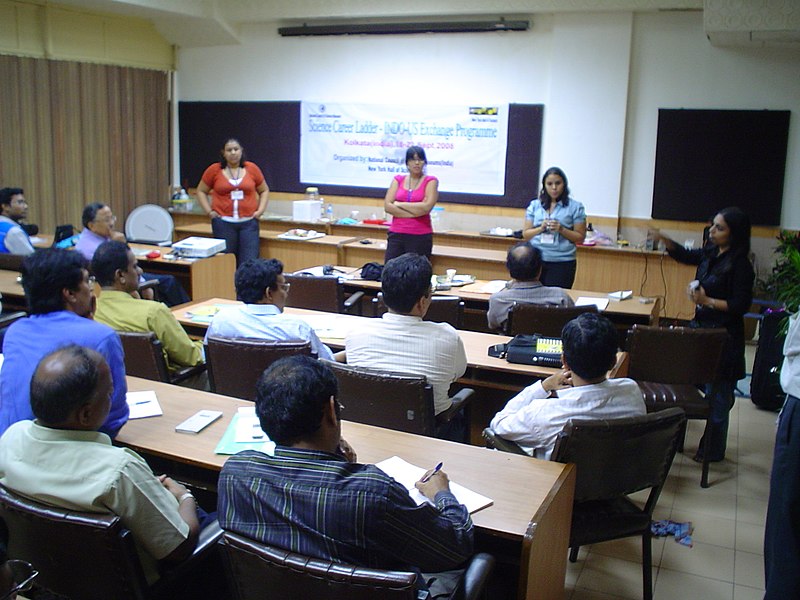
<point>324,293</point>
<point>616,457</point>
<point>544,319</point>
<point>235,364</point>
<point>11,262</point>
<point>674,355</point>
<point>79,555</point>
<point>144,356</point>
<point>442,309</point>
<point>257,571</point>
<point>397,401</point>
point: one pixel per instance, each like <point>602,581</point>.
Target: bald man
<point>62,459</point>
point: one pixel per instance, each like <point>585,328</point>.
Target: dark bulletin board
<point>270,133</point>
<point>709,159</point>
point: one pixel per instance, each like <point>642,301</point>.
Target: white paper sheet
<point>600,303</point>
<point>143,404</point>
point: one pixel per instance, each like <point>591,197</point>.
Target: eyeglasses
<point>90,281</point>
<point>24,573</point>
<point>110,220</point>
<point>285,286</point>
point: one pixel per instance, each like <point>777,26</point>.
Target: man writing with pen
<point>311,497</point>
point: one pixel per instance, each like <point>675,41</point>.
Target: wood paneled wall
<point>73,133</point>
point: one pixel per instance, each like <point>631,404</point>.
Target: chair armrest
<point>472,584</point>
<point>620,368</point>
<point>459,401</point>
<point>207,545</point>
<point>7,319</point>
<point>495,442</point>
<point>353,299</point>
<point>209,536</point>
<point>184,373</point>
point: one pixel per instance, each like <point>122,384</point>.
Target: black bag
<point>372,271</point>
<point>533,350</point>
<point>765,384</point>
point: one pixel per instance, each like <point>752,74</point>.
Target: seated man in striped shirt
<point>311,497</point>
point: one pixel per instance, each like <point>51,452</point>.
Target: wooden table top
<point>518,485</point>
<point>476,344</point>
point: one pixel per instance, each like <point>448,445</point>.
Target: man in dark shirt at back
<point>311,497</point>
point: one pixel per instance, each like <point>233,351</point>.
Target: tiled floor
<point>726,562</point>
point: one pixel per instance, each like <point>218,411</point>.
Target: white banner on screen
<point>364,145</point>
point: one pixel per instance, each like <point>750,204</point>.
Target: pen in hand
<point>427,477</point>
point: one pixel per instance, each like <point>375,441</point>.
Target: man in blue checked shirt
<point>311,497</point>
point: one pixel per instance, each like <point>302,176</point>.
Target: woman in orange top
<point>239,197</point>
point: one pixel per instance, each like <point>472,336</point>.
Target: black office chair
<point>252,568</point>
<point>324,293</point>
<point>398,401</point>
<point>544,319</point>
<point>442,309</point>
<point>144,357</point>
<point>91,556</point>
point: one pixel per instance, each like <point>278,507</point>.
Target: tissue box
<point>306,210</point>
<point>198,247</point>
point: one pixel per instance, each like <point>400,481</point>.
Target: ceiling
<point>195,23</point>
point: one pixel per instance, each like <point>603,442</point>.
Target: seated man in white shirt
<point>260,284</point>
<point>535,416</point>
<point>402,342</point>
<point>524,264</point>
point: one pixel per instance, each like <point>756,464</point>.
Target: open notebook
<point>407,475</point>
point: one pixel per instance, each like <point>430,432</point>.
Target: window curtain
<point>73,133</point>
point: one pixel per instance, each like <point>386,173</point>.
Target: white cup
<point>450,274</point>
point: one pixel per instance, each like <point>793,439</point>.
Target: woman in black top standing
<point>722,294</point>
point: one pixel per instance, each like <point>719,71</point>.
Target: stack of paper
<point>244,433</point>
<point>600,303</point>
<point>407,475</point>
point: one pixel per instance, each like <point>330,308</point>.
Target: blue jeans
<point>241,238</point>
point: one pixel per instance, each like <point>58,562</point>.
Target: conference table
<point>532,499</point>
<point>623,313</point>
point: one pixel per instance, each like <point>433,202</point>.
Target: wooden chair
<point>398,401</point>
<point>544,319</point>
<point>443,309</point>
<point>90,556</point>
<point>670,363</point>
<point>252,567</point>
<point>324,293</point>
<point>614,458</point>
<point>144,357</point>
<point>235,364</point>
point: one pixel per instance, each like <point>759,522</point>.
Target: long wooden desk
<point>600,268</point>
<point>531,497</point>
<point>623,313</point>
<point>202,278</point>
<point>12,292</point>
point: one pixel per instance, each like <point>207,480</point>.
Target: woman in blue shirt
<point>554,223</point>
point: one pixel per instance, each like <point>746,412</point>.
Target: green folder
<point>228,445</point>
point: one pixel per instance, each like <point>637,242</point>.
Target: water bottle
<point>329,212</point>
<point>437,215</point>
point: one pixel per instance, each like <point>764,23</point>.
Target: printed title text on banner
<point>365,145</point>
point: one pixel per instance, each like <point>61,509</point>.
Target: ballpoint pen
<point>427,477</point>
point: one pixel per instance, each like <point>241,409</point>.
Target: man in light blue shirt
<point>260,284</point>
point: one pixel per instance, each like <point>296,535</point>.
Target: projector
<point>198,247</point>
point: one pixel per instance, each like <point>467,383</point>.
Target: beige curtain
<point>73,133</point>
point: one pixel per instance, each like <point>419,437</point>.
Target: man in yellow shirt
<point>115,269</point>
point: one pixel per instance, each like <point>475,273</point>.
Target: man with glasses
<point>61,303</point>
<point>98,227</point>
<point>310,496</point>
<point>13,210</point>
<point>260,284</point>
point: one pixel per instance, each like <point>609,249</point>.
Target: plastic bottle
<point>329,212</point>
<point>437,217</point>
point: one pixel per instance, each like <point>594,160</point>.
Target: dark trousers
<point>241,238</point>
<point>782,534</point>
<point>559,274</point>
<point>170,290</point>
<point>400,243</point>
<point>715,437</point>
